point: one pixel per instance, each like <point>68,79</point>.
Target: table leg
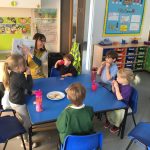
<point>124,123</point>
<point>30,138</point>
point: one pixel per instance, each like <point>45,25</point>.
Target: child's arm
<point>117,90</point>
<point>26,83</point>
<point>108,75</point>
<point>67,75</point>
<point>61,122</point>
<point>99,71</point>
<point>113,88</point>
<point>57,63</point>
<point>71,72</point>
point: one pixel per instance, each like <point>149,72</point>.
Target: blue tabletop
<point>101,100</point>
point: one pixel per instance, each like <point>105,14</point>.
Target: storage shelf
<point>138,50</point>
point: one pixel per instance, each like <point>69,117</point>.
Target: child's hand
<point>25,50</point>
<point>33,92</point>
<point>57,63</point>
<point>28,72</point>
<point>103,64</point>
<point>107,65</point>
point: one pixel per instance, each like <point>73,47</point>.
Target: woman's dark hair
<point>41,37</point>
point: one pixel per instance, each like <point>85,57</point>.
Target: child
<point>122,90</point>
<point>18,84</point>
<point>108,69</point>
<point>76,118</point>
<point>66,68</point>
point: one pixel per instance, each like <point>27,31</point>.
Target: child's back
<point>79,121</point>
<point>76,118</point>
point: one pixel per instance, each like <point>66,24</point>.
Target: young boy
<point>65,66</point>
<point>76,117</point>
<point>108,69</point>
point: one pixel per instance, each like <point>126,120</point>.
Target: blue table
<point>101,100</point>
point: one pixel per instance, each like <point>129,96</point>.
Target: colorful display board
<point>123,17</point>
<point>13,27</point>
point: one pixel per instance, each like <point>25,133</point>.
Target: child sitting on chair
<point>108,69</point>
<point>65,66</point>
<point>76,118</point>
<point>122,90</point>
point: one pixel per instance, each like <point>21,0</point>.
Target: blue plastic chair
<point>133,104</point>
<point>140,133</point>
<point>54,72</point>
<point>10,127</point>
<point>83,142</point>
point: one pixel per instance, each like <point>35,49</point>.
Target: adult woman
<point>36,59</point>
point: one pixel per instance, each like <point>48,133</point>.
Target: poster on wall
<point>123,17</point>
<point>15,25</point>
<point>45,22</point>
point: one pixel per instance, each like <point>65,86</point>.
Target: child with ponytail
<point>14,78</point>
<point>122,89</point>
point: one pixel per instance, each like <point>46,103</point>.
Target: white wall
<point>86,22</point>
<point>99,8</point>
<point>54,4</point>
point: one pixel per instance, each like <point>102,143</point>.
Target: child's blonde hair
<point>76,93</point>
<point>10,64</point>
<point>129,75</point>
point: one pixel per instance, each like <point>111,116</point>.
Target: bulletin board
<point>123,17</point>
<point>13,27</point>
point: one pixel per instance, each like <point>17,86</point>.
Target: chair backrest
<point>133,100</point>
<point>54,72</point>
<point>83,142</point>
<point>142,133</point>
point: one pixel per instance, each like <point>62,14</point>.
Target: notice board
<point>123,17</point>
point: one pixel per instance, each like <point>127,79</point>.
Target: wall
<point>99,8</point>
<point>27,12</point>
<point>86,22</point>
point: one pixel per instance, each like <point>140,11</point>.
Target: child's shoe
<point>114,129</point>
<point>107,124</point>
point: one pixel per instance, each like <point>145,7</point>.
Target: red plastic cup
<point>61,62</point>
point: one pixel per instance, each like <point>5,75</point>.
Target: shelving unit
<point>129,55</point>
<point>147,60</point>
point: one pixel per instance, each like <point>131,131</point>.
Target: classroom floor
<point>47,140</point>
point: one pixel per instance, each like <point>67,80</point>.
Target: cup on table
<point>94,86</point>
<point>93,74</point>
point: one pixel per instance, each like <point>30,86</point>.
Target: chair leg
<point>147,148</point>
<point>5,145</point>
<point>130,144</point>
<point>23,142</point>
<point>133,119</point>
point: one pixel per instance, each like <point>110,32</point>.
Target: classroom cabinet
<point>129,55</point>
<point>147,61</point>
<point>21,3</point>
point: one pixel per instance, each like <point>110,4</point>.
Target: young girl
<point>122,90</point>
<point>18,84</point>
<point>76,118</point>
